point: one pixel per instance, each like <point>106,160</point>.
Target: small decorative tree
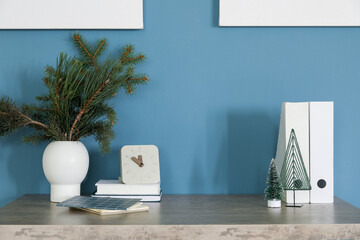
<point>293,172</point>
<point>274,190</point>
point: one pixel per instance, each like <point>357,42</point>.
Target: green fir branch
<point>77,102</point>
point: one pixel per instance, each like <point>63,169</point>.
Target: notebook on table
<point>135,208</point>
<point>100,203</point>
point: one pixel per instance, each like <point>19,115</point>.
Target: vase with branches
<point>77,104</point>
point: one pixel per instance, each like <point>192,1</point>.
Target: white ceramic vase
<point>65,165</point>
<point>274,203</point>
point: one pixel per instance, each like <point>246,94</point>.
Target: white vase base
<point>274,203</point>
<point>62,192</point>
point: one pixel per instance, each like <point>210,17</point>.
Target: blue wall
<point>213,103</point>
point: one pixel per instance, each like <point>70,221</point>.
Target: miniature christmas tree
<point>293,173</point>
<point>274,189</point>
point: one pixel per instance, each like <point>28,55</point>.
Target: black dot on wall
<point>321,183</point>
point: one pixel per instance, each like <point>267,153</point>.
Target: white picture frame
<point>71,14</point>
<point>249,13</point>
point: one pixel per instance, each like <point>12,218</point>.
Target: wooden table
<point>182,217</point>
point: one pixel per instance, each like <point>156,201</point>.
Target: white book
<point>322,152</point>
<point>294,116</point>
<point>144,198</point>
<point>115,187</point>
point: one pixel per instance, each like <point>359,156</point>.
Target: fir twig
<point>100,46</point>
<point>50,70</point>
<point>137,79</point>
<point>128,86</point>
<point>30,121</point>
<point>82,111</point>
<point>58,87</point>
<point>134,58</point>
<point>128,50</point>
<point>77,38</point>
<point>43,98</point>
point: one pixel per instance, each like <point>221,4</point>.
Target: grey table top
<point>35,209</point>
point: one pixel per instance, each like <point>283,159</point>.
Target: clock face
<point>140,164</point>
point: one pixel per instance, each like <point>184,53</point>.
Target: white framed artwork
<point>71,14</point>
<point>289,13</point>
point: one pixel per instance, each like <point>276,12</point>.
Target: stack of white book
<point>117,189</point>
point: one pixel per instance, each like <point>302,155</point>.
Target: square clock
<point>140,164</point>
